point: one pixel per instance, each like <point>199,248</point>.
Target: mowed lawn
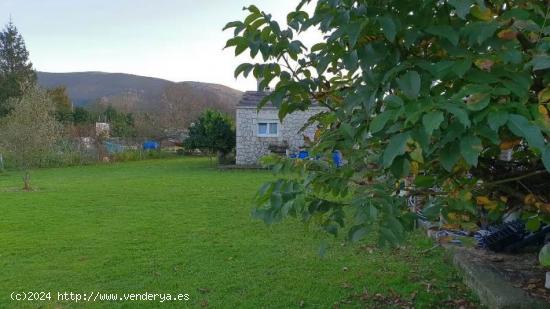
<point>183,226</point>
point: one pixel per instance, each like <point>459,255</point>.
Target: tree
<point>29,132</point>
<point>212,132</point>
<point>82,116</point>
<point>423,97</point>
<point>122,124</point>
<point>16,71</point>
<point>63,104</point>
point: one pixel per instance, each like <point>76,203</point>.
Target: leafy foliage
<point>122,124</point>
<point>213,131</point>
<point>16,72</point>
<point>415,89</point>
<point>29,132</point>
<point>63,104</point>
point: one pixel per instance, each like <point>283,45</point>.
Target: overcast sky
<point>178,40</point>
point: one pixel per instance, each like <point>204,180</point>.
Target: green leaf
<point>462,7</point>
<point>497,119</point>
<point>479,32</point>
<point>460,114</point>
<point>400,167</point>
<point>462,66</point>
<point>317,47</point>
<point>254,9</point>
<point>244,68</point>
<point>533,224</point>
<point>540,62</point>
<point>424,181</point>
<point>432,121</point>
<point>520,126</point>
<point>388,27</point>
<point>470,148</point>
<point>396,147</point>
<point>432,210</point>
<point>357,233</point>
<point>354,30</point>
<point>393,101</point>
<point>478,101</point>
<point>233,24</point>
<point>445,32</point>
<point>544,256</point>
<point>276,200</point>
<point>409,83</point>
<point>387,236</point>
<point>450,154</point>
<point>546,157</point>
<point>379,122</point>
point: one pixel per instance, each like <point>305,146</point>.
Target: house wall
<point>251,147</point>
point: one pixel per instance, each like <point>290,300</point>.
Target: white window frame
<point>269,124</point>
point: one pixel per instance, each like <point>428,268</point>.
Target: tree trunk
<point>27,181</point>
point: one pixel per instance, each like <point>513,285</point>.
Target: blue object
<point>337,158</point>
<point>151,145</point>
<point>113,148</point>
<point>304,154</point>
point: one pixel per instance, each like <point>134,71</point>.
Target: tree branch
<point>512,179</point>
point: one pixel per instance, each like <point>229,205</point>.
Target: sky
<point>178,40</point>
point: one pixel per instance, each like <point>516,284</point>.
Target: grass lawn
<point>182,226</point>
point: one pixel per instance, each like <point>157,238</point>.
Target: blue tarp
<point>151,145</point>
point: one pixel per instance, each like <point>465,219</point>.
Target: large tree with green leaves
<point>212,132</point>
<point>29,132</point>
<point>424,99</point>
<point>16,71</point>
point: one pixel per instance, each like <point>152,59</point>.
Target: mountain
<point>135,93</point>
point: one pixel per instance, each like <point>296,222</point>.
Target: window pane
<point>273,128</point>
<point>262,128</point>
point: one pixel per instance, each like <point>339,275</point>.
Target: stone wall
<point>251,147</point>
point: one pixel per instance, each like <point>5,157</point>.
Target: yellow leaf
<point>486,203</point>
<point>507,34</point>
<point>415,168</point>
<point>483,200</point>
<point>510,144</point>
<point>504,199</point>
<point>544,95</point>
<point>543,111</point>
<point>452,216</point>
<point>484,64</point>
<point>529,199</point>
<point>483,14</point>
<point>450,226</point>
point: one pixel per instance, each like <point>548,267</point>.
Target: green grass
<point>182,226</point>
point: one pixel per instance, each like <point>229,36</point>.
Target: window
<point>268,129</point>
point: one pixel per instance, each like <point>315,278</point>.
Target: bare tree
<point>30,131</point>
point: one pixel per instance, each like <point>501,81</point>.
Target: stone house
<point>260,132</point>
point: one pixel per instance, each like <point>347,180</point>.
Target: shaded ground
<point>183,226</point>
<point>522,270</point>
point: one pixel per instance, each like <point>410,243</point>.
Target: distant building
<point>102,129</point>
<point>260,133</point>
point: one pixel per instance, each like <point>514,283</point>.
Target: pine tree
<point>16,70</point>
